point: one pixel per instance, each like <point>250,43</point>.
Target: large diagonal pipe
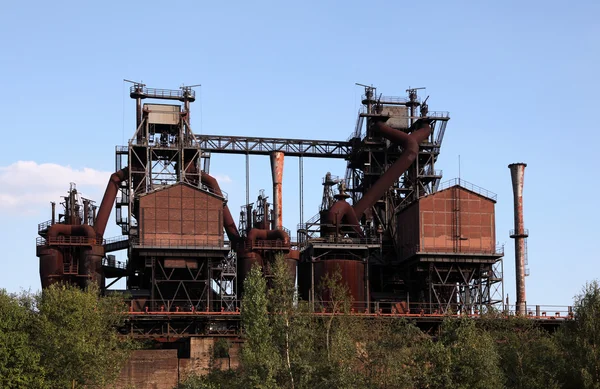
<point>410,146</point>
<point>228,222</point>
<point>110,194</point>
<point>341,211</point>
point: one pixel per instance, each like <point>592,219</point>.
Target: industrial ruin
<point>405,241</point>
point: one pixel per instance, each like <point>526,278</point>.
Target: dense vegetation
<point>61,338</point>
<point>287,348</point>
<point>67,337</point>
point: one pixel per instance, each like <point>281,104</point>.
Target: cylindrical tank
<point>353,275</point>
<point>90,266</point>
<point>245,262</point>
<point>51,266</point>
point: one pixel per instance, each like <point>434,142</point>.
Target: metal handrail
<point>497,250</point>
<point>524,231</point>
<point>68,240</point>
<point>438,114</point>
<point>116,264</point>
<point>391,309</point>
<point>469,186</point>
<point>168,93</point>
<point>44,226</point>
<point>180,243</point>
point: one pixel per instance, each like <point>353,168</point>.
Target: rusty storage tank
<point>353,276</point>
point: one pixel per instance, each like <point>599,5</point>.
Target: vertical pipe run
<point>86,210</point>
<point>53,212</point>
<point>517,172</point>
<point>277,172</point>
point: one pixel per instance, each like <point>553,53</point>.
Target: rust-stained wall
<point>161,369</point>
<point>181,214</point>
<point>454,220</point>
<point>150,369</point>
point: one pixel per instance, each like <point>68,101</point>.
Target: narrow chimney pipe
<point>53,213</point>
<point>86,210</point>
<point>277,172</point>
<point>519,234</point>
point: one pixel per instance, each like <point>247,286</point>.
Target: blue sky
<point>519,79</point>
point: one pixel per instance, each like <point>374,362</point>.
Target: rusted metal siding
<point>163,113</point>
<point>408,236</point>
<point>181,215</point>
<point>454,220</point>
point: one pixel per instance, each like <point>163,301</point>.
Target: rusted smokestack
<point>519,234</point>
<point>277,171</point>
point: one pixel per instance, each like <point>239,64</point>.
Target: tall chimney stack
<point>519,234</point>
<point>277,171</point>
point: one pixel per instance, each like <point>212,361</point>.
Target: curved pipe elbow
<point>228,222</point>
<point>108,200</point>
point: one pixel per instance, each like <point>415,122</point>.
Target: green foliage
<point>258,354</point>
<point>76,336</point>
<point>580,341</point>
<point>59,337</point>
<point>215,379</point>
<point>473,355</point>
<point>289,346</point>
<point>19,358</point>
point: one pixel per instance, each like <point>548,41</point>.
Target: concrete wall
<point>150,369</point>
<point>161,369</point>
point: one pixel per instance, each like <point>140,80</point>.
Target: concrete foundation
<point>162,369</point>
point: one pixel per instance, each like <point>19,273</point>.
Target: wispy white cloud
<point>26,185</point>
<point>223,179</point>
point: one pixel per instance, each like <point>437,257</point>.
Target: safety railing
<point>450,248</point>
<point>540,311</point>
<point>163,93</point>
<point>111,262</point>
<point>391,309</point>
<point>44,226</point>
<point>469,186</point>
<point>438,114</point>
<point>180,243</point>
<point>387,99</point>
<point>524,232</point>
<point>265,244</point>
<point>221,306</point>
<point>67,241</point>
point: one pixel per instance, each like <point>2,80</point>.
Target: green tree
<point>76,336</point>
<point>259,356</point>
<point>529,355</point>
<point>580,341</point>
<point>19,358</point>
<point>475,362</point>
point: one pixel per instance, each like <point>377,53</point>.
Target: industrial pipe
<point>342,213</point>
<point>410,146</point>
<point>108,200</point>
<point>260,234</point>
<point>517,173</point>
<point>277,173</point>
<point>228,222</point>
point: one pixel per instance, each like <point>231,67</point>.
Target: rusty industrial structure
<point>405,241</point>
